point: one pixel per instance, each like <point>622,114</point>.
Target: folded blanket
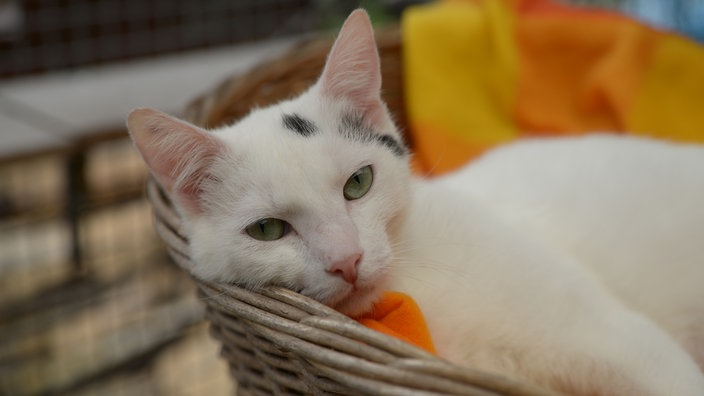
<point>481,73</point>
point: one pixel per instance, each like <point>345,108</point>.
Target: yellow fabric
<point>460,64</point>
<point>670,103</point>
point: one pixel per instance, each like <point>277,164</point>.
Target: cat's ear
<point>178,154</point>
<point>352,68</point>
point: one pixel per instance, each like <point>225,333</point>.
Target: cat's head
<point>305,193</point>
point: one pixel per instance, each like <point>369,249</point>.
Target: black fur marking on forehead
<point>392,144</point>
<point>298,124</point>
<point>353,127</point>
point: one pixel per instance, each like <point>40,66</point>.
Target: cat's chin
<point>359,301</point>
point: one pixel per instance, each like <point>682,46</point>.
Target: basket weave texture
<point>278,342</point>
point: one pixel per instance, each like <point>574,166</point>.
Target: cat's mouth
<point>359,300</point>
<point>359,297</point>
<point>355,298</point>
<point>352,300</point>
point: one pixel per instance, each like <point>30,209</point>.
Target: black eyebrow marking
<point>391,143</point>
<point>353,127</point>
<point>298,124</point>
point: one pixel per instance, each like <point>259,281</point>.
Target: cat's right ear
<point>352,69</point>
<point>178,154</point>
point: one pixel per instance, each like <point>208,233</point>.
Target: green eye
<point>359,183</point>
<point>268,229</point>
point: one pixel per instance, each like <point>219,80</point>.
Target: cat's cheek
<point>374,270</point>
<point>207,260</point>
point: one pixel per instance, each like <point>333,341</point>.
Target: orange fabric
<point>479,73</point>
<point>670,100</point>
<point>585,69</point>
<point>397,315</point>
<point>590,89</point>
<point>453,150</point>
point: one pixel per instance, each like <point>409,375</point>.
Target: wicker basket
<point>279,342</point>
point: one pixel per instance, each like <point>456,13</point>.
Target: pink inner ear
<point>352,68</point>
<point>178,154</point>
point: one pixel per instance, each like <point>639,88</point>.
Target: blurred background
<point>89,302</point>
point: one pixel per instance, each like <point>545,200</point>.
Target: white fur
<point>594,247</point>
<point>577,264</point>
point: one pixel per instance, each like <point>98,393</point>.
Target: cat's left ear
<point>352,68</point>
<point>178,154</point>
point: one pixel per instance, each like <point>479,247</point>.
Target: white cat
<point>577,264</point>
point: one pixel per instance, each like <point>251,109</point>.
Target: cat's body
<point>602,224</point>
<point>572,263</point>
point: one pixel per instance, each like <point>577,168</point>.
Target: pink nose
<point>347,268</point>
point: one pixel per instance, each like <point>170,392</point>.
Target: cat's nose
<point>347,268</point>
